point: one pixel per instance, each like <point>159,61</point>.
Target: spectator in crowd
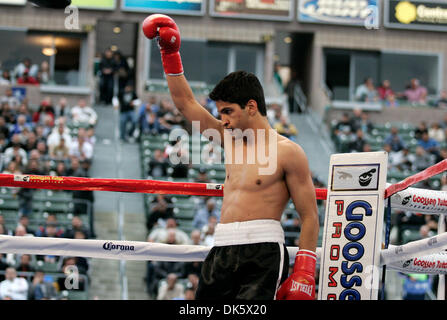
<point>107,67</point>
<point>3,264</point>
<point>366,92</point>
<point>62,109</point>
<point>21,126</point>
<point>80,148</point>
<point>402,160</point>
<point>149,122</point>
<point>14,153</point>
<point>59,152</point>
<point>127,99</point>
<point>170,288</point>
<point>441,102</point>
<point>161,210</point>
<point>30,143</point>
<point>385,90</point>
<point>25,264</point>
<point>44,73</point>
<point>10,99</point>
<point>27,79</point>
<point>436,132</point>
<point>286,129</point>
<point>76,225</point>
<point>40,288</point>
<point>420,129</point>
<point>343,128</point>
<point>122,70</point>
<point>357,144</point>
<point>202,176</point>
<point>430,145</point>
<point>290,92</point>
<point>59,132</point>
<point>4,128</point>
<point>26,64</point>
<point>13,287</point>
<point>24,222</point>
<point>203,213</point>
<point>5,78</point>
<point>45,109</point>
<point>169,234</point>
<point>207,231</point>
<point>83,115</point>
<point>158,166</point>
<point>416,93</point>
<point>395,140</point>
<point>422,159</point>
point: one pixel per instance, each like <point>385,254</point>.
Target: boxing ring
<point>425,256</point>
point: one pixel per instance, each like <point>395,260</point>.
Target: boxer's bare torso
<point>249,195</point>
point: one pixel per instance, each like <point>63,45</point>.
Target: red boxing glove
<point>300,285</point>
<point>163,28</point>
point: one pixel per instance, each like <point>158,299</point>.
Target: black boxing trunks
<point>248,261</point>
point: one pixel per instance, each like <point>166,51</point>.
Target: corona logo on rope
<point>353,227</point>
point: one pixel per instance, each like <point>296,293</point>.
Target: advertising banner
<point>363,13</point>
<point>252,9</point>
<point>353,227</point>
<point>416,15</point>
<point>187,7</point>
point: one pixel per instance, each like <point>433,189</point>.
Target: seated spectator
<point>75,169</point>
<point>207,231</point>
<point>395,140</point>
<point>20,126</point>
<point>203,213</point>
<point>60,170</point>
<point>40,288</point>
<point>161,210</point>
<point>286,129</point>
<point>25,264</point>
<point>26,64</point>
<point>10,99</point>
<point>170,288</point>
<point>43,75</point>
<point>13,287</point>
<point>51,229</point>
<point>27,79</point>
<point>441,102</point>
<point>420,129</point>
<point>430,145</point>
<point>149,122</point>
<point>422,159</point>
<point>76,225</point>
<point>385,90</point>
<point>14,153</point>
<point>59,152</point>
<point>62,109</point>
<point>5,78</point>
<point>3,265</point>
<point>158,166</point>
<point>45,109</point>
<point>358,143</point>
<point>169,234</point>
<point>31,142</point>
<point>80,148</point>
<point>416,93</point>
<point>4,128</point>
<point>82,114</point>
<point>59,131</point>
<point>24,222</point>
<point>127,100</point>
<point>343,128</point>
<point>436,132</point>
<point>366,92</point>
<point>402,160</point>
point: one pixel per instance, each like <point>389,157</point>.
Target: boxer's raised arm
<point>165,30</point>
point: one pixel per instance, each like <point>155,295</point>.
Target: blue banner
<point>189,7</point>
<point>363,13</point>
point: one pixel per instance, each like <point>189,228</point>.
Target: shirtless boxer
<point>249,260</point>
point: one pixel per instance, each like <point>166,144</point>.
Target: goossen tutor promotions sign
<point>352,238</point>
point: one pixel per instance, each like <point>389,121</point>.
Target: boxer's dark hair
<point>240,87</point>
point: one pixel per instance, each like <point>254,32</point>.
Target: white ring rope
<point>420,200</point>
<point>395,256</point>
